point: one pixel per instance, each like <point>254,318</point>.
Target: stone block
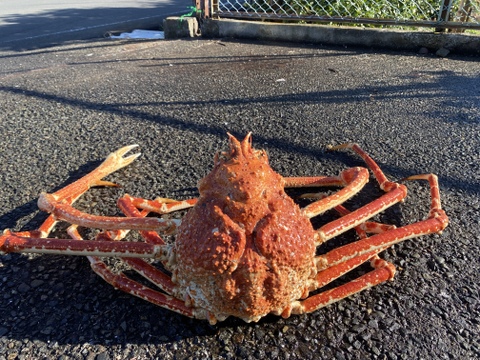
<point>176,27</point>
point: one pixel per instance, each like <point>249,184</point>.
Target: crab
<point>244,248</point>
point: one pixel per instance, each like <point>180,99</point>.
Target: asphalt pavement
<point>65,108</point>
<point>30,24</point>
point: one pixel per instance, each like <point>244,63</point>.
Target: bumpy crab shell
<point>246,249</point>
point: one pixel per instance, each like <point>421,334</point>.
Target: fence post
<point>204,7</point>
<point>444,13</point>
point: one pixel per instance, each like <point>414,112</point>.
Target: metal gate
<point>457,15</point>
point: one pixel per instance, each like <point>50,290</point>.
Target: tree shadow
<point>458,97</point>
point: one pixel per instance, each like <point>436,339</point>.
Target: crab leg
<point>394,193</point>
<point>122,282</point>
<point>355,218</point>
<point>162,205</point>
<point>435,223</point>
<point>59,204</point>
<point>352,180</point>
<point>14,243</point>
<point>72,192</point>
<point>153,248</point>
<point>383,271</point>
<point>69,194</point>
<point>24,242</point>
<point>326,276</point>
<point>42,232</point>
<point>337,262</point>
<point>125,204</point>
<point>151,273</point>
<point>66,212</point>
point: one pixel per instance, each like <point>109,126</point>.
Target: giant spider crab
<point>244,249</point>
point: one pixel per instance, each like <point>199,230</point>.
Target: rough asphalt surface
<point>64,109</point>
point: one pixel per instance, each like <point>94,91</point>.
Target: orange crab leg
<point>24,242</point>
<point>113,162</point>
<point>12,243</point>
<point>352,181</point>
<point>355,181</point>
<point>125,204</point>
<point>383,271</point>
<point>42,232</point>
<point>148,271</point>
<point>435,223</point>
<point>68,213</point>
<point>326,276</point>
<point>59,204</point>
<point>122,282</point>
<point>162,205</point>
<point>339,261</point>
<point>385,184</point>
<point>129,205</point>
<point>70,193</point>
<point>355,218</point>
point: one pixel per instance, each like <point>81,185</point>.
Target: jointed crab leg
<point>70,193</point>
<point>122,282</point>
<point>153,248</point>
<point>396,192</point>
<point>162,205</point>
<point>59,204</point>
<point>335,271</point>
<point>339,261</point>
<point>68,213</point>
<point>42,232</point>
<point>383,271</point>
<point>14,243</point>
<point>437,220</point>
<point>353,181</point>
<point>150,272</point>
<point>357,217</point>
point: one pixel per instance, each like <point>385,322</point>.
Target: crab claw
<point>112,163</point>
<point>117,157</point>
<point>69,194</point>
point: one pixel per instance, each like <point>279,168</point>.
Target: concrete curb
<point>337,35</point>
<point>177,27</point>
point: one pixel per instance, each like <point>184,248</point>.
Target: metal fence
<point>440,14</point>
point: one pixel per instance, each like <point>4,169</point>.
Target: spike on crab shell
<point>239,148</point>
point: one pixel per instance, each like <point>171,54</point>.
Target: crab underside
<point>244,248</point>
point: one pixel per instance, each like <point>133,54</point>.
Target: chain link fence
<point>440,14</point>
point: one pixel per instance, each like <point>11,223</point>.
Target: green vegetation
<point>383,9</point>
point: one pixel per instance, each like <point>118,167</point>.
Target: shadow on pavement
<point>32,31</point>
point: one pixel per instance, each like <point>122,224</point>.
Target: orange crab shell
<point>245,249</point>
